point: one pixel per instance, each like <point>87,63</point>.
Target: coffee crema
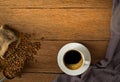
<point>73,59</point>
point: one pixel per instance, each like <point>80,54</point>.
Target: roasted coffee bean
<point>17,57</point>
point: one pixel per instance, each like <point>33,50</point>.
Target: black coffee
<point>72,57</point>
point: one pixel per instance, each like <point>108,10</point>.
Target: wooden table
<point>55,23</point>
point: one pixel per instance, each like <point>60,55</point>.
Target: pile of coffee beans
<point>19,54</point>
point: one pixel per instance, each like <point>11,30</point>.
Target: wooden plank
<point>56,3</point>
<point>60,24</point>
<point>34,77</point>
<point>47,55</point>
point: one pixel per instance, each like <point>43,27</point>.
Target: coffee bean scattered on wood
<point>20,53</point>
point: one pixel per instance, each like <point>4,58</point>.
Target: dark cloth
<point>108,69</point>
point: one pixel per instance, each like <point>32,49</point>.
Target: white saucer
<point>84,52</point>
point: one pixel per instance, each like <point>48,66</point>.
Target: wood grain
<point>55,23</point>
<point>41,4</point>
<point>34,77</point>
<point>47,55</point>
<point>60,24</point>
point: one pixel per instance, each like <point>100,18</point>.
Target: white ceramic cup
<point>74,50</point>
